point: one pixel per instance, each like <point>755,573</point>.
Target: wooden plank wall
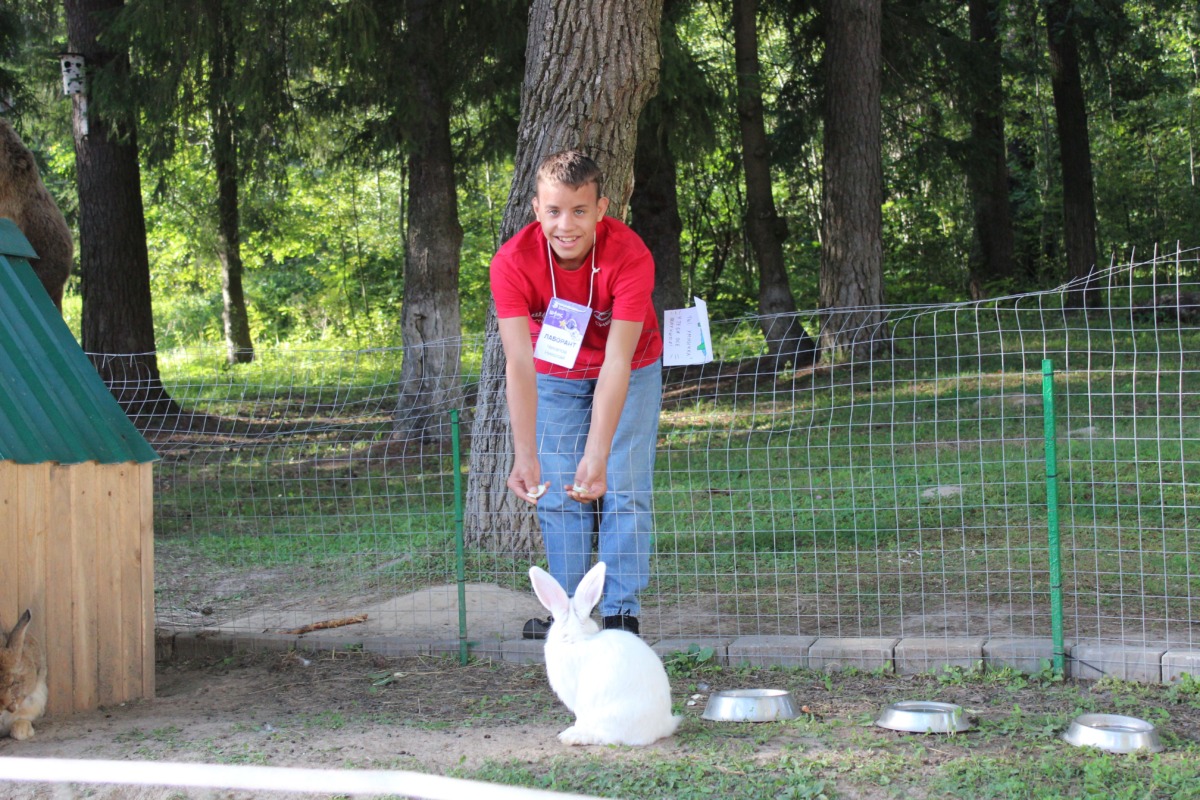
<point>77,547</point>
<point>10,491</point>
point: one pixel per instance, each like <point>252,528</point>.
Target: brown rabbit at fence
<point>22,680</point>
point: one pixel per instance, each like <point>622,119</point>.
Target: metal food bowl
<point>749,705</point>
<point>1113,732</point>
<point>923,716</point>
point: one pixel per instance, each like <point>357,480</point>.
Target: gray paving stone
<point>203,644</point>
<point>397,646</point>
<point>916,654</point>
<point>514,651</point>
<point>491,649</point>
<point>1027,655</point>
<point>273,642</point>
<point>867,653</point>
<point>908,655</point>
<point>769,651</point>
<point>323,644</point>
<point>1093,661</point>
<point>450,648</point>
<point>164,644</point>
<point>1177,663</point>
<point>523,651</point>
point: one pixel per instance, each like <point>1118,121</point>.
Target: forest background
<point>280,144</point>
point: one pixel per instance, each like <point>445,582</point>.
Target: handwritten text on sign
<point>686,338</point>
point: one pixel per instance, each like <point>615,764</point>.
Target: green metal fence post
<point>463,649</point>
<point>1053,542</point>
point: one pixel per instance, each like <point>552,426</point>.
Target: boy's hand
<point>591,481</point>
<point>525,481</point>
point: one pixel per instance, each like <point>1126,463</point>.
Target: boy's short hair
<point>571,168</point>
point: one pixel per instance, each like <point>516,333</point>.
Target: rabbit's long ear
<point>16,639</point>
<point>589,590</point>
<point>549,592</point>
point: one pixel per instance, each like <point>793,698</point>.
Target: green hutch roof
<point>53,405</point>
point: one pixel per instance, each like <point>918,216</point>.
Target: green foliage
<point>12,34</point>
<point>683,663</point>
<point>1144,153</point>
<point>321,104</point>
<point>322,253</point>
<point>1185,689</point>
<point>482,193</point>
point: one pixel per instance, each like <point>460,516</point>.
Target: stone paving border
<point>906,656</point>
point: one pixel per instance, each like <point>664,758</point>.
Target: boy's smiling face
<point>569,217</point>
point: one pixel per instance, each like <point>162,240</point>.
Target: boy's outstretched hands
<point>590,484</point>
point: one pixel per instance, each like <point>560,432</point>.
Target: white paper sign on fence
<point>686,339</point>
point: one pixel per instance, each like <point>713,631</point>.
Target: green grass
<point>714,775</point>
<point>1052,776</point>
<point>1012,752</point>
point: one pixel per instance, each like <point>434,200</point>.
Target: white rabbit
<point>611,680</point>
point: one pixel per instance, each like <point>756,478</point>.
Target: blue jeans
<point>624,516</point>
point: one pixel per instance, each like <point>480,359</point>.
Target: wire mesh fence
<point>896,492</point>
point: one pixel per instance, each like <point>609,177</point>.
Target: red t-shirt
<point>520,277</point>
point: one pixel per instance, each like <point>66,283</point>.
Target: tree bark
<point>991,258</point>
<point>590,67</point>
<point>787,341</point>
<point>654,212</point>
<point>118,320</point>
<point>239,346</point>
<point>1075,154</point>
<point>430,318</point>
<point>852,325</point>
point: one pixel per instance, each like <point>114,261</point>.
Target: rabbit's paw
<point>22,729</point>
<point>575,735</point>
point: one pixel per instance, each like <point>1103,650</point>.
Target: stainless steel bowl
<point>923,716</point>
<point>1113,732</point>
<point>749,705</point>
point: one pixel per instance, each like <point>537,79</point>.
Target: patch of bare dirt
<point>330,711</point>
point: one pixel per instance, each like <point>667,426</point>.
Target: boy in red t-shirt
<point>584,382</point>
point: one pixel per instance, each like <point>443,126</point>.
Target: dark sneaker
<point>622,622</point>
<point>537,628</point>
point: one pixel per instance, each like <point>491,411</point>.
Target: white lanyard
<point>565,321</point>
<point>591,279</point>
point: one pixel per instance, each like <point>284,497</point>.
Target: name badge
<point>561,337</point>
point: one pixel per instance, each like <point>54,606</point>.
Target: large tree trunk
<point>590,67</point>
<point>118,321</point>
<point>225,159</point>
<point>787,341</point>
<point>430,318</point>
<point>654,211</point>
<point>1070,111</point>
<point>991,257</point>
<point>852,325</point>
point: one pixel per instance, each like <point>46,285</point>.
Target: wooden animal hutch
<point>76,503</point>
